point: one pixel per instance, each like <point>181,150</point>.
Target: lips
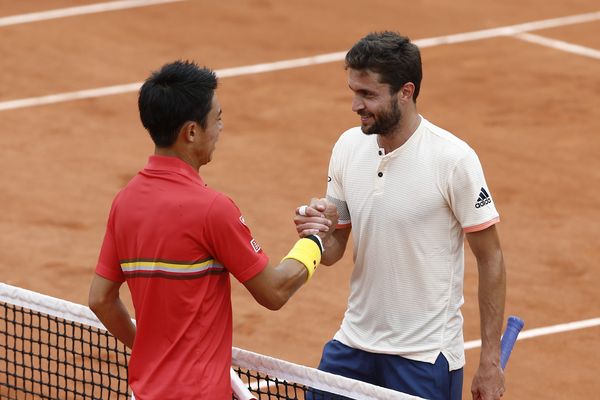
<point>365,117</point>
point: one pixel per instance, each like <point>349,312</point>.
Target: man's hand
<point>319,217</point>
<point>488,383</point>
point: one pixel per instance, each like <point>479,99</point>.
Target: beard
<point>386,121</point>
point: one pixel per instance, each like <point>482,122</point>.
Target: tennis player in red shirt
<point>175,242</point>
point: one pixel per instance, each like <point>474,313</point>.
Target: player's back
<point>181,294</point>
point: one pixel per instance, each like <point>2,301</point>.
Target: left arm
<point>105,302</point>
<point>488,382</point>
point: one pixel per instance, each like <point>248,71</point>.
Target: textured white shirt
<point>408,210</point>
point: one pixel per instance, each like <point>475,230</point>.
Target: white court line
<point>307,61</point>
<point>560,45</point>
<point>80,10</point>
<point>549,330</point>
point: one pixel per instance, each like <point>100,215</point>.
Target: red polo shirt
<point>175,241</point>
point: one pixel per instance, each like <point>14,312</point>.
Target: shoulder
<point>222,205</point>
<point>445,144</point>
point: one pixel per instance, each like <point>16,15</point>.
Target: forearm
<point>290,275</point>
<point>488,381</point>
<point>274,286</point>
<point>116,319</point>
<point>492,294</point>
<point>334,250</point>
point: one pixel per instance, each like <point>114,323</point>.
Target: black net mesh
<point>45,357</point>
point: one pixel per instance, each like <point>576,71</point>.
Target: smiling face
<point>378,109</point>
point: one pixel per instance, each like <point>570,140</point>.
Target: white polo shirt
<point>408,210</point>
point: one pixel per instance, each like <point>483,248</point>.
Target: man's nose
<point>357,104</point>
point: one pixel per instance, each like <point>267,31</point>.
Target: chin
<point>367,130</point>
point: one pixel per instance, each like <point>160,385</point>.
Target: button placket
<point>380,175</point>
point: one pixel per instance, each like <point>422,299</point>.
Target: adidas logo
<point>484,198</point>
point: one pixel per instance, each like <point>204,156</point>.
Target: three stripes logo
<point>483,199</point>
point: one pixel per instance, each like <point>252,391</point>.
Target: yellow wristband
<point>308,253</point>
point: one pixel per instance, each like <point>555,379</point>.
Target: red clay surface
<point>531,113</point>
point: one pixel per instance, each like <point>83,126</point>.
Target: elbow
<point>94,304</point>
<point>327,261</point>
<point>98,303</point>
<point>273,306</point>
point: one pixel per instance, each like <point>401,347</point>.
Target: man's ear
<point>190,131</point>
<point>407,90</point>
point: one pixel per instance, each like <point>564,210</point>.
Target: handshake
<point>319,217</point>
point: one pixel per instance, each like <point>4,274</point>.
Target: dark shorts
<point>430,381</point>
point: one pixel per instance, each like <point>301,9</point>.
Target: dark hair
<point>393,56</point>
<point>177,93</point>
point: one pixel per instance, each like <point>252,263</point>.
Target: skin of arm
<point>274,286</point>
<point>105,302</point>
<point>488,382</point>
<point>335,245</point>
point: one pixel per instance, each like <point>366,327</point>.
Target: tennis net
<point>54,349</point>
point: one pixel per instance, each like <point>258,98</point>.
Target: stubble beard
<point>386,122</point>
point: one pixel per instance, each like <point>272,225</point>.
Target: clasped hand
<point>319,217</point>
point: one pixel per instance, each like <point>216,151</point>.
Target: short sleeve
<point>470,197</point>
<point>108,265</point>
<point>230,241</point>
<point>335,190</point>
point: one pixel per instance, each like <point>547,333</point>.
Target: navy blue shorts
<point>430,381</point>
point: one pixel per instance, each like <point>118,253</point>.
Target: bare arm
<point>105,302</point>
<point>335,245</point>
<point>274,286</point>
<point>488,383</point>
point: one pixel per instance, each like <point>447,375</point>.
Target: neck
<point>405,129</point>
<point>173,152</point>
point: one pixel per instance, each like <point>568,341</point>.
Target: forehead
<point>365,80</point>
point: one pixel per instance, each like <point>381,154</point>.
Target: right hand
<point>321,218</point>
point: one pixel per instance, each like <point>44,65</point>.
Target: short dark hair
<point>179,92</point>
<point>393,56</point>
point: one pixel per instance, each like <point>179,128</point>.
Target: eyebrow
<point>361,91</point>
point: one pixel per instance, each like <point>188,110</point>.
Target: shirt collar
<point>172,164</point>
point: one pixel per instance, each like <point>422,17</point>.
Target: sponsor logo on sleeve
<point>483,199</point>
<point>255,245</point>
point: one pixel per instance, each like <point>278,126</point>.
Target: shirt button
<point>380,174</point>
<point>380,152</point>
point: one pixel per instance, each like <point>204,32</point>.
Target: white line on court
<point>549,330</point>
<point>80,10</point>
<point>307,61</point>
<point>560,45</point>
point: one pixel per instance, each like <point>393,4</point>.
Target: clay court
<point>525,97</point>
